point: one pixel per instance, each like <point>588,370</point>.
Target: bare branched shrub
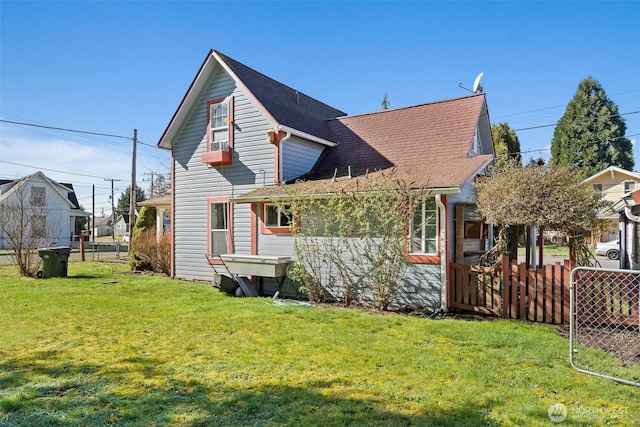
<point>354,235</point>
<point>153,253</point>
<point>553,197</point>
<point>26,225</point>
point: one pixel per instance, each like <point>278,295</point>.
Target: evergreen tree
<point>506,144</point>
<point>124,201</point>
<point>590,135</point>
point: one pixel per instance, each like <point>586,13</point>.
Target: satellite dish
<point>477,87</point>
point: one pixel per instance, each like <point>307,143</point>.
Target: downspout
<point>281,168</point>
<point>443,250</point>
<point>629,242</point>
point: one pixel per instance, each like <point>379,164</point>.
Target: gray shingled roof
<point>288,106</point>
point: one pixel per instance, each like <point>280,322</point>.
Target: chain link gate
<point>604,330</point>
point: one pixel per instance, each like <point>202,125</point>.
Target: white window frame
<point>283,219</point>
<point>214,237</point>
<point>429,219</point>
<point>215,127</point>
<point>597,188</point>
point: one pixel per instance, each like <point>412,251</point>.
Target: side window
<point>274,217</point>
<point>424,229</point>
<point>629,186</point>
<point>597,188</point>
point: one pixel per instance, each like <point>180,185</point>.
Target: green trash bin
<point>54,262</point>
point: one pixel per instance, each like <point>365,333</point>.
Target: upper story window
<point>629,186</point>
<point>219,132</point>
<point>597,188</point>
<point>424,229</point>
<point>219,126</point>
<point>38,196</point>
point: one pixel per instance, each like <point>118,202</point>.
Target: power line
<point>65,129</point>
<point>52,170</point>
<point>577,121</point>
<point>548,149</point>
<point>85,132</point>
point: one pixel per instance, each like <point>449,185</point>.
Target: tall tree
<point>124,200</point>
<point>590,135</point>
<point>506,143</point>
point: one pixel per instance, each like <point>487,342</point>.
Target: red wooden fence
<point>537,295</point>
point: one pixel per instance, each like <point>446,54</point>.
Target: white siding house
<point>52,205</point>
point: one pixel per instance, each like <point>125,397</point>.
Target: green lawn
<point>107,348</point>
<point>549,250</point>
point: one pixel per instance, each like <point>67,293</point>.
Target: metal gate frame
<point>604,307</point>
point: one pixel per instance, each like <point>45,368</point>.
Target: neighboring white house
<point>238,136</point>
<point>53,205</point>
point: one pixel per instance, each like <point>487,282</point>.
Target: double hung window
<point>424,229</point>
<point>219,228</point>
<point>219,132</point>
<point>219,126</point>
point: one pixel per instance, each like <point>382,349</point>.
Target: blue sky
<point>110,67</point>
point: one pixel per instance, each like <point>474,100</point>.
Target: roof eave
<point>306,136</point>
<point>190,97</point>
<point>278,197</point>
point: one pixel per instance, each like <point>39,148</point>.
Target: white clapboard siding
<point>299,156</point>
<point>253,166</point>
<point>195,182</point>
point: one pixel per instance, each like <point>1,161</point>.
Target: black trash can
<point>54,262</point>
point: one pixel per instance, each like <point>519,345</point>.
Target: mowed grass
<point>103,347</point>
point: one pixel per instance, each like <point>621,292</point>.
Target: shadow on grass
<point>84,276</point>
<point>45,391</point>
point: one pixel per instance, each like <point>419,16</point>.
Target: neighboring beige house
<point>613,183</point>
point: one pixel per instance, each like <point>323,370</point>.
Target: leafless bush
<point>157,254</point>
<point>25,224</point>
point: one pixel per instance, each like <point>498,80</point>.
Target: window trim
<point>422,257</point>
<point>632,189</point>
<point>270,229</point>
<point>220,157</point>
<point>210,201</point>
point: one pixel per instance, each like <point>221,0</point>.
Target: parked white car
<point>125,237</point>
<point>609,249</point>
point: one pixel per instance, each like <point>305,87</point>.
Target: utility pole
<point>132,204</point>
<point>113,211</point>
<point>93,222</point>
<point>150,173</point>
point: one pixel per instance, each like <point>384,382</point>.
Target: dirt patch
<point>623,344</point>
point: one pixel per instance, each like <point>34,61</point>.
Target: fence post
<point>506,303</point>
<point>566,294</point>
